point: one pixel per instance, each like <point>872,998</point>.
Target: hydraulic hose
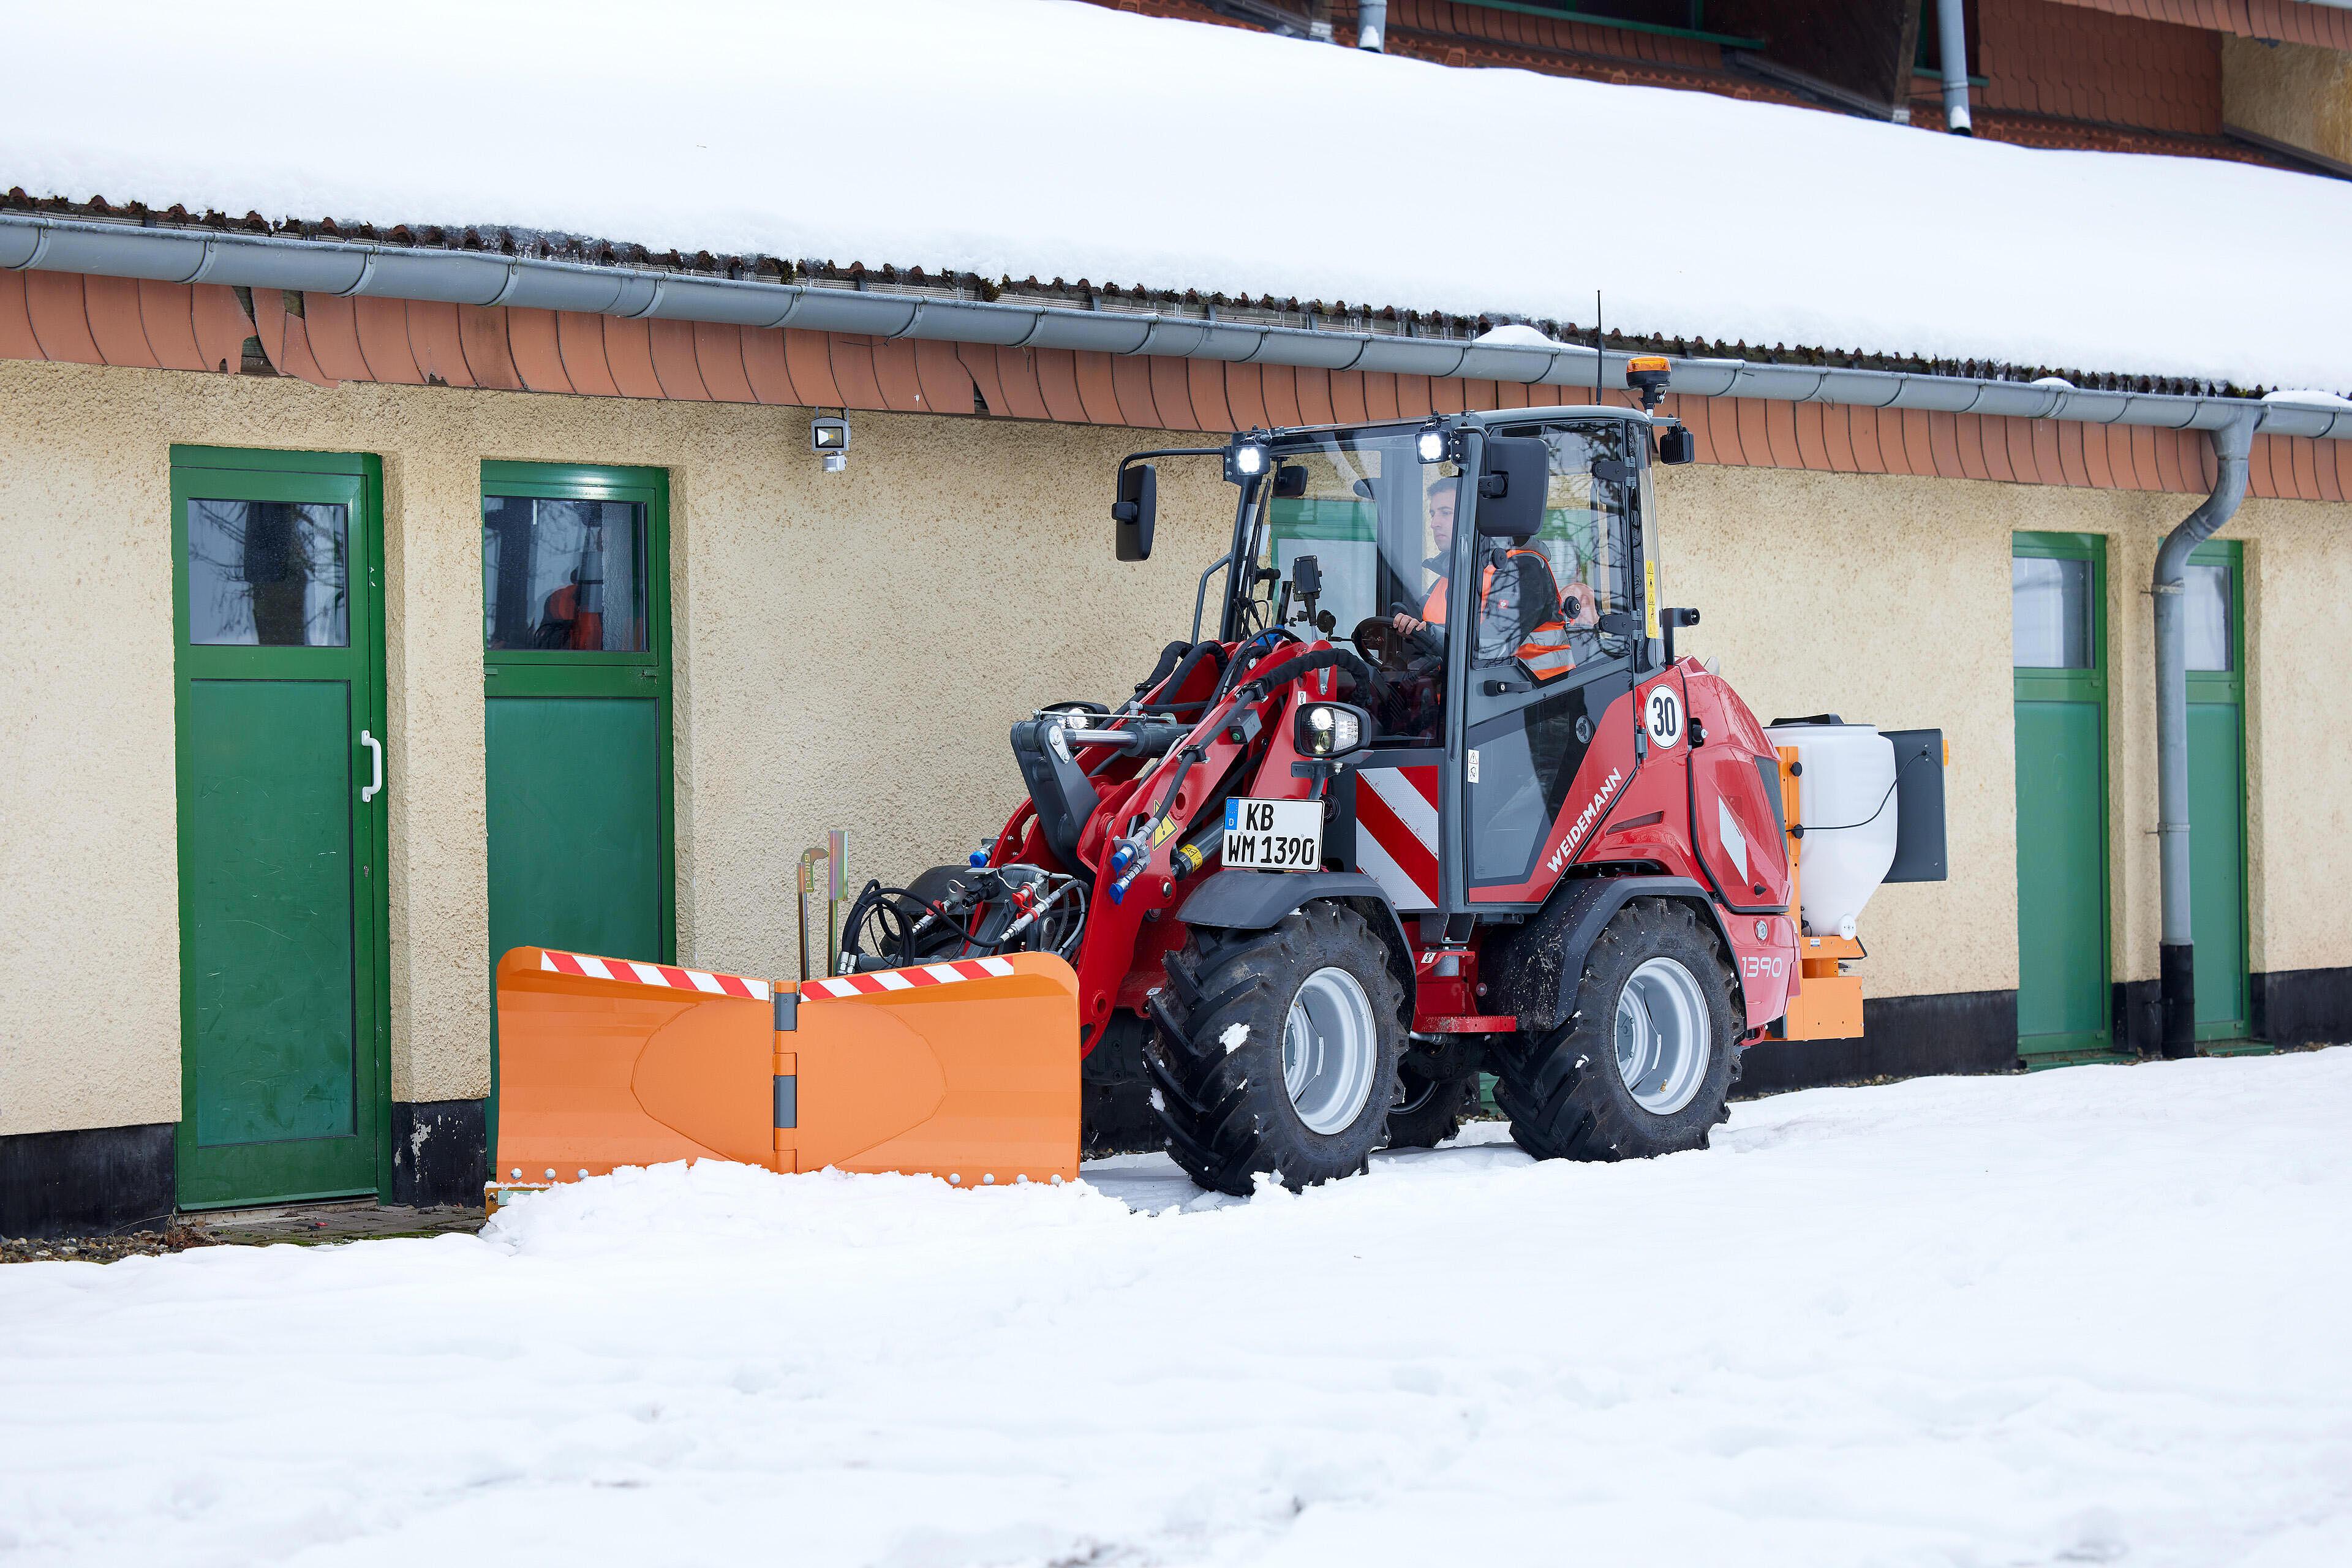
<point>1260,685</point>
<point>1170,658</point>
<point>1201,653</point>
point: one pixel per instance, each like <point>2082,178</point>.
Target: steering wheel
<point>1380,642</point>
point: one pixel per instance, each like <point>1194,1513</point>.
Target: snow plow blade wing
<point>967,1071</point>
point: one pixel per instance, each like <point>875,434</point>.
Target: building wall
<point>850,650</point>
<point>2289,92</point>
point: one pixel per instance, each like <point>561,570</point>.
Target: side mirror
<point>1135,511</point>
<point>1512,487</point>
<point>1289,481</point>
<point>1677,446</point>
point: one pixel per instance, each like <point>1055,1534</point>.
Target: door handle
<point>375,751</point>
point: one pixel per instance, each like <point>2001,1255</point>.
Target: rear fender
<point>1535,971</point>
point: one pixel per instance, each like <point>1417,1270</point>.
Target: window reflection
<point>268,574</point>
<point>563,574</point>
<point>2050,613</point>
<point>2207,594</point>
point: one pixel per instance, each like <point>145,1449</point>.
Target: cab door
<point>1546,758</point>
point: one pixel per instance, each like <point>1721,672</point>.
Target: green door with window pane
<point>2058,650</point>
<point>278,692</point>
<point>575,673</point>
<point>2217,789</point>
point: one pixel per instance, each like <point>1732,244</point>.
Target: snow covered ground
<point>1056,139</point>
<point>2088,1315</point>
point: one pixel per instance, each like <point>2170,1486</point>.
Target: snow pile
<point>1051,138</point>
<point>2088,1315</point>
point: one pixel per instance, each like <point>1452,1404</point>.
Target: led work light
<point>1245,461</point>
<point>1330,729</point>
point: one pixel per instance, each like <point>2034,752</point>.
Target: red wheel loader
<point>1435,798</point>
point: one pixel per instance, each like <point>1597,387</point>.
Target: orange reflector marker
<point>959,1070</point>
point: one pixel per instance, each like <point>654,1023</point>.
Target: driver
<point>1543,646</point>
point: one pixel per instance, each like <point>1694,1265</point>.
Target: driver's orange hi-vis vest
<point>1545,652</point>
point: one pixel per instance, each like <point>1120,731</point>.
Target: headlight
<point>1245,461</point>
<point>1330,729</point>
<point>1430,446</point>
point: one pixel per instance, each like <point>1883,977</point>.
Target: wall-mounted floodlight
<point>829,439</point>
<point>1245,459</point>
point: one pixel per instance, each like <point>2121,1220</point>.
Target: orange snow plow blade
<point>967,1071</point>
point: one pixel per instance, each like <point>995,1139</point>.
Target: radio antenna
<point>1596,393</point>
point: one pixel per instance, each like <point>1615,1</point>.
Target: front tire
<point>1645,1066</point>
<point>1276,1051</point>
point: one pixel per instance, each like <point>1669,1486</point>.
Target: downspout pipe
<point>1372,26</point>
<point>1952,45</point>
<point>2176,952</point>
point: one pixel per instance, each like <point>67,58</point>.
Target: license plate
<point>1274,835</point>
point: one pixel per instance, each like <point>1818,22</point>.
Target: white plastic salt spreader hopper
<point>1844,790</point>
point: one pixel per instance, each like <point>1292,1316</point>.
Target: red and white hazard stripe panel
<point>913,979</point>
<point>630,972</point>
<point>1396,833</point>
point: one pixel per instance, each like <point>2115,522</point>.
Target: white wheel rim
<point>1327,1050</point>
<point>1663,1033</point>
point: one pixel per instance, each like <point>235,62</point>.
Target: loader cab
<point>1399,529</point>
<point>1533,529</point>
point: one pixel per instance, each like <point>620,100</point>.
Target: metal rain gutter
<point>475,277</point>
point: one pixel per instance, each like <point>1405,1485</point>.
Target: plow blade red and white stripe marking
<point>630,972</point>
<point>913,979</point>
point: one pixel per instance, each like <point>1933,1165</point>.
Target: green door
<point>2217,790</point>
<point>2058,624</point>
<point>575,671</point>
<point>278,688</point>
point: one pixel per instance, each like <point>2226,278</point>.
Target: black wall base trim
<point>2139,1017</point>
<point>440,1153</point>
<point>1903,1036</point>
<point>93,1181</point>
<point>2303,1006</point>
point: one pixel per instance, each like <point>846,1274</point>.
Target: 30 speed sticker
<point>1662,711</point>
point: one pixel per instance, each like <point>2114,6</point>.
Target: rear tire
<point>1276,1050</point>
<point>1645,1066</point>
<point>1429,1111</point>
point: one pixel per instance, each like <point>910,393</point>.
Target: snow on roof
<point>1049,138</point>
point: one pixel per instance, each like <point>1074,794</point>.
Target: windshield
<point>1376,521</point>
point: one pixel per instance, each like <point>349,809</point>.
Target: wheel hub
<point>1663,1033</point>
<point>1327,1050</point>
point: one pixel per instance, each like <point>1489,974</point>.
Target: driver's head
<point>1442,496</point>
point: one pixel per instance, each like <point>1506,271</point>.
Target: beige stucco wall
<point>850,650</point>
<point>1886,599</point>
<point>2289,92</point>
